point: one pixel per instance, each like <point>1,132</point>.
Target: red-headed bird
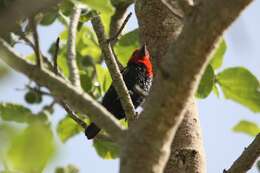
<point>137,75</point>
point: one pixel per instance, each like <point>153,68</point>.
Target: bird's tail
<point>92,130</point>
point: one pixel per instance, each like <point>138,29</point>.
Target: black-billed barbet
<point>137,75</point>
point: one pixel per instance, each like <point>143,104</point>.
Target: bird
<point>138,76</point>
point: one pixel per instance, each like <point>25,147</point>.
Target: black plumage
<point>137,75</point>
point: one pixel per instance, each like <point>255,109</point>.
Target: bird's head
<point>142,56</point>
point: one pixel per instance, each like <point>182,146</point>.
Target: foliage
<point>247,127</point>
<point>206,83</point>
<point>237,83</point>
<point>67,128</point>
<point>67,169</point>
<point>218,55</point>
<point>106,149</point>
<point>126,45</point>
<point>20,114</point>
<point>39,139</point>
<point>240,85</point>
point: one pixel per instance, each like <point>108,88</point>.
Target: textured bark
<point>158,39</point>
<point>187,152</point>
<point>147,145</point>
<point>247,159</point>
<point>158,29</point>
<point>71,51</point>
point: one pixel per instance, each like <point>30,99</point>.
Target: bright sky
<point>217,115</point>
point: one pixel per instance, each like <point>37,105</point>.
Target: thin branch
<point>114,70</point>
<point>39,61</point>
<point>115,37</point>
<point>77,99</point>
<point>247,159</point>
<point>116,24</point>
<point>71,57</point>
<point>31,44</point>
<point>70,112</point>
<point>48,107</point>
<point>27,41</point>
<point>73,115</point>
<point>118,17</point>
<point>55,56</point>
<point>38,90</point>
<point>82,123</point>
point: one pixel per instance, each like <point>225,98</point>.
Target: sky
<point>217,115</point>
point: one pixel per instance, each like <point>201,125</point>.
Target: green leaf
<point>67,128</point>
<point>247,127</point>
<point>218,55</point>
<point>86,82</point>
<point>240,85</point>
<point>101,6</point>
<point>87,43</point>
<point>49,17</point>
<point>206,83</point>
<point>68,169</point>
<point>7,132</point>
<point>62,61</point>
<point>103,77</point>
<point>31,58</point>
<point>19,113</point>
<point>31,150</point>
<point>126,45</point>
<point>66,7</point>
<point>106,149</point>
<point>85,16</point>
<point>124,123</point>
<point>215,90</point>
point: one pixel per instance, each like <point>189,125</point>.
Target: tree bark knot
<point>182,157</point>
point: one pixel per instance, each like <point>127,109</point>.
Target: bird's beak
<point>143,51</point>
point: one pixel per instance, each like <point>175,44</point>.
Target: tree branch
<point>55,56</point>
<point>179,72</point>
<point>187,152</point>
<point>118,18</point>
<point>116,23</point>
<point>37,49</point>
<point>246,160</point>
<point>71,57</point>
<point>73,115</point>
<point>75,98</point>
<point>117,78</point>
<point>21,9</point>
<point>114,38</point>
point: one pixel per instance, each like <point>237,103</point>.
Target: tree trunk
<point>158,30</point>
<point>187,153</point>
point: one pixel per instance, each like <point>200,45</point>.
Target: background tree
<point>75,62</point>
